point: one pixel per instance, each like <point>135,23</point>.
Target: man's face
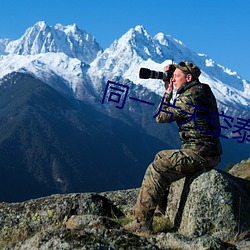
<point>179,78</point>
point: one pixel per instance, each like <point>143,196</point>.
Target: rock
<point>243,245</point>
<point>241,169</point>
<point>90,221</point>
<point>20,220</point>
<point>209,210</point>
<point>63,239</point>
<point>212,202</point>
<point>124,199</point>
<point>178,241</point>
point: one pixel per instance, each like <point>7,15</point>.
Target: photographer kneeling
<point>190,104</point>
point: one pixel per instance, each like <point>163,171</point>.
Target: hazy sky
<point>218,28</point>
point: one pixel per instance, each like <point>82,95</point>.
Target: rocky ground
<point>208,211</point>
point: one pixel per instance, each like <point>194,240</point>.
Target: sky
<point>217,28</point>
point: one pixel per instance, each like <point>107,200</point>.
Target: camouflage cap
<point>189,68</point>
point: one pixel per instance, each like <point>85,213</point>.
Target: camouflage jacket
<point>194,109</point>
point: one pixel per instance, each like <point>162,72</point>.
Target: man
<point>193,106</point>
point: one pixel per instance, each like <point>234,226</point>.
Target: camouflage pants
<point>167,167</point>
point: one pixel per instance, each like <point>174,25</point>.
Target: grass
<point>123,220</point>
<point>160,223</point>
<point>239,237</point>
<point>15,236</point>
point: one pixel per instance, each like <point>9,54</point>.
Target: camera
<point>145,73</point>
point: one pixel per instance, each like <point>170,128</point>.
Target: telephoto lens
<point>147,73</point>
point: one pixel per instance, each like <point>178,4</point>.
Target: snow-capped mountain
<point>73,55</point>
<point>64,73</point>
<point>41,38</point>
<point>50,54</point>
<point>137,49</point>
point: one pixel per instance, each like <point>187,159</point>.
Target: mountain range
<point>62,129</point>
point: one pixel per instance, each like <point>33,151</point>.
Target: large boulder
<point>19,221</point>
<point>210,202</point>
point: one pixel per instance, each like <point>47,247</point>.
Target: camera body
<point>146,73</point>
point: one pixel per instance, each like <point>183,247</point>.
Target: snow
<point>44,65</point>
<point>209,62</point>
<point>137,49</point>
<point>42,38</point>
<point>74,56</point>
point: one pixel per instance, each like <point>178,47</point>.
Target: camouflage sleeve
<point>167,112</point>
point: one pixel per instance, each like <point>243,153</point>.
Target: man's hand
<point>168,85</point>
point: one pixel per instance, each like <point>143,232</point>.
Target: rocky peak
<point>42,38</point>
<point>207,211</point>
<point>125,54</point>
<point>141,43</point>
<point>33,41</point>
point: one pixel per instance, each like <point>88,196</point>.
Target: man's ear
<point>189,77</point>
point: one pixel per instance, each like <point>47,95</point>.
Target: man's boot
<point>137,226</point>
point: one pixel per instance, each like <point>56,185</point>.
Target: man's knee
<point>162,160</point>
<point>164,154</point>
